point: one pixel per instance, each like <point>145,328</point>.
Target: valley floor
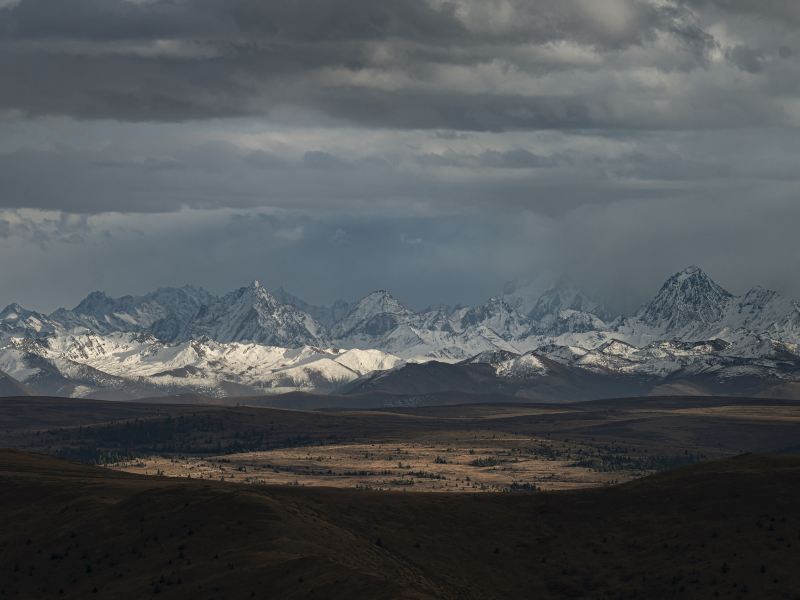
<point>489,464</point>
<point>467,448</point>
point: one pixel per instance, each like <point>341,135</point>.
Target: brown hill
<point>725,529</point>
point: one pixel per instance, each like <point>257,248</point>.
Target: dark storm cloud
<point>307,21</point>
<point>747,58</point>
<point>375,63</point>
<point>313,21</point>
<point>784,11</point>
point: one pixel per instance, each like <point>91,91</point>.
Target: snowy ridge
<point>675,358</point>
<point>252,314</point>
<point>254,341</point>
<point>509,365</point>
<point>691,307</point>
<point>165,312</point>
<point>199,365</point>
<point>372,317</point>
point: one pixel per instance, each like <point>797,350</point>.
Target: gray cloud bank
<point>461,64</point>
<point>435,147</point>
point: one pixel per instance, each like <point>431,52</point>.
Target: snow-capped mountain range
<point>253,341</point>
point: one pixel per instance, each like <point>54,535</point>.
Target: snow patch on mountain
<point>251,339</point>
<point>686,305</point>
<point>204,365</point>
<point>374,316</point>
<point>252,314</point>
<point>166,312</point>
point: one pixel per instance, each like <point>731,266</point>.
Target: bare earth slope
<point>728,529</point>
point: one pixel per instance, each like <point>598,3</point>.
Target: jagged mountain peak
<point>93,302</point>
<point>251,296</point>
<point>494,307</point>
<point>496,315</point>
<point>759,296</point>
<point>272,340</point>
<point>688,298</point>
<point>20,321</point>
<point>690,271</point>
<point>165,312</point>
<point>13,311</point>
<point>252,314</point>
<point>381,301</point>
<point>372,317</point>
<point>99,303</point>
<point>254,289</point>
<point>693,276</point>
<point>383,295</point>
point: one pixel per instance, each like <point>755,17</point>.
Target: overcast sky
<point>436,148</point>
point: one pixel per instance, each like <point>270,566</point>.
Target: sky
<point>435,148</point>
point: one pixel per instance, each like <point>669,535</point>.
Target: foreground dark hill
<point>724,529</point>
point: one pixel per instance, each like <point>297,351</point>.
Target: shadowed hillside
<point>723,529</point>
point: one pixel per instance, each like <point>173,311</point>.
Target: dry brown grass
<point>467,462</point>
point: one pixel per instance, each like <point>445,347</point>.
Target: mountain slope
<point>372,317</point>
<point>249,341</point>
<point>125,362</point>
<point>252,314</point>
<point>689,300</point>
<point>326,315</point>
<point>16,320</point>
<point>496,315</point>
<point>690,306</point>
<point>11,387</point>
<point>166,312</point>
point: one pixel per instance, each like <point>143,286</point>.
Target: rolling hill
<point>720,529</point>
